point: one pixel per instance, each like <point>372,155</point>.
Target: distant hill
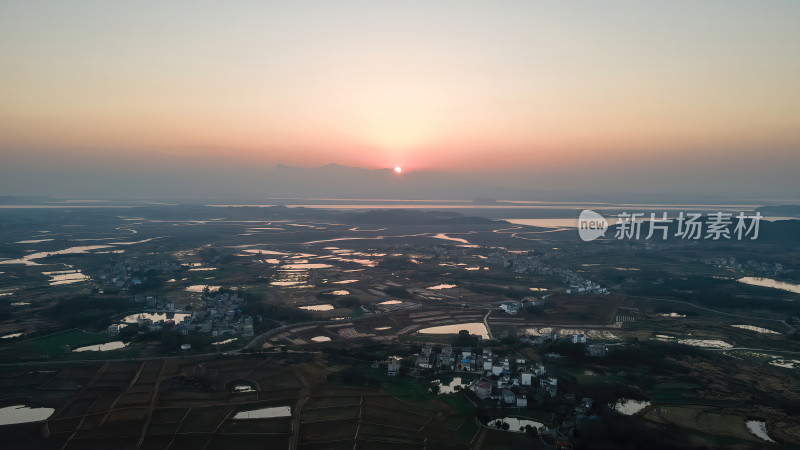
<point>410,217</point>
<point>15,200</point>
<point>780,210</point>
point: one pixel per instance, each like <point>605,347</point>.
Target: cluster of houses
<point>221,316</point>
<point>508,380</point>
<point>154,302</point>
<point>123,273</point>
<point>528,263</point>
<point>761,267</point>
<point>596,349</point>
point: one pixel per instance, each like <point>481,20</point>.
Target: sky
<point>681,95</point>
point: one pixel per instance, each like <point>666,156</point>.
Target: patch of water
<point>60,278</point>
<point>441,286</point>
<point>759,429</point>
<point>326,307</point>
<point>630,407</point>
<point>517,425</point>
<point>768,282</point>
<point>756,329</point>
<point>114,345</point>
<point>476,328</point>
<point>23,414</point>
<point>265,413</point>
<point>201,287</point>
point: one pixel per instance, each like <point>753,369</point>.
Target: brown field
<point>191,404</point>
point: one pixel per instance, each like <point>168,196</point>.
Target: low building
<point>576,338</point>
<point>522,401</point>
<point>549,385</point>
<point>527,378</point>
<point>597,350</point>
<point>427,358</point>
<point>394,367</point>
<point>482,389</point>
<point>511,308</point>
<point>584,407</point>
<point>509,397</point>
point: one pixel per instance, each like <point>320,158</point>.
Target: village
<point>507,383</point>
<point>221,317</point>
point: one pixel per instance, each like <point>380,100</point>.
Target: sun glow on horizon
<point>398,169</point>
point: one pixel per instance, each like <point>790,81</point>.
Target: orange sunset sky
<point>453,86</point>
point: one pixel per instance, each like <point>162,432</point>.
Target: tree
<point>506,426</point>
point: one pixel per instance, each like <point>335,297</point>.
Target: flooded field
<point>704,343</point>
<point>325,307</point>
<point>630,407</point>
<point>517,425</point>
<point>30,260</point>
<point>476,328</point>
<point>441,286</point>
<point>759,429</point>
<point>756,329</point>
<point>201,287</point>
<point>769,282</point>
<point>23,414</point>
<point>450,387</point>
<point>66,277</point>
<point>339,292</point>
<point>265,413</point>
<point>115,345</point>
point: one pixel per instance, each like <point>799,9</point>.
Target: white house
<point>577,338</point>
<point>527,378</point>
<point>510,308</point>
<point>394,367</point>
<point>549,385</point>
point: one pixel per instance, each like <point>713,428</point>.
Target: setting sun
<point>398,169</point>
